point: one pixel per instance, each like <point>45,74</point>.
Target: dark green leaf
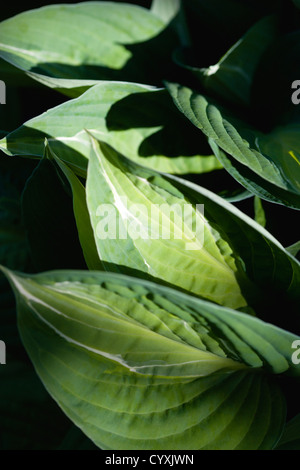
<point>263,160</point>
<point>290,439</point>
<point>231,78</point>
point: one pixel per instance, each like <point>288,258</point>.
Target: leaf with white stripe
<point>139,222</point>
<point>136,365</point>
<point>138,120</point>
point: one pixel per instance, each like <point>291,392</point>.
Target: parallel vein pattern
<point>173,401</point>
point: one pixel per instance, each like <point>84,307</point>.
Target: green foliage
<point>159,309</point>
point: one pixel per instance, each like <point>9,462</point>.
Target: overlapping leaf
<point>138,120</point>
<point>138,224</point>
<point>253,157</point>
<point>231,78</point>
<point>132,363</point>
<point>113,42</point>
<point>135,364</point>
<point>85,231</point>
<point>123,200</point>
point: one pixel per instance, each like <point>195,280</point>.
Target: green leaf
<point>246,146</point>
<point>172,13</point>
<point>259,212</point>
<point>274,273</point>
<point>138,373</point>
<point>83,222</point>
<point>231,78</point>
<point>254,183</point>
<point>283,144</point>
<point>138,224</point>
<point>140,350</point>
<point>290,439</point>
<point>126,202</point>
<point>166,10</point>
<point>235,195</point>
<point>114,42</point>
<point>138,120</point>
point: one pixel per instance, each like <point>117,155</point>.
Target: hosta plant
<point>155,307</point>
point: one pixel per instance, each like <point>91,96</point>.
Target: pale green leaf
<point>137,120</point>
<point>131,362</point>
<point>233,253</point>
<point>71,47</point>
<point>123,200</point>
<point>138,224</point>
<point>172,13</point>
<point>165,10</point>
<point>217,269</point>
